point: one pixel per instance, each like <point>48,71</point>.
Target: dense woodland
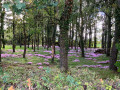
<point>55,30</point>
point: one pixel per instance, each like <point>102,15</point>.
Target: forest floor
<point>36,72</point>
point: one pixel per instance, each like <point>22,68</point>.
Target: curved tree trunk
<point>114,51</point>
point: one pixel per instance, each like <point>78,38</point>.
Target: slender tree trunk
<point>2,25</point>
<point>76,39</point>
<point>82,30</point>
<point>64,23</point>
<point>53,44</point>
<point>95,38</point>
<point>13,32</point>
<point>0,32</point>
<point>72,35</point>
<point>86,36</point>
<point>53,38</point>
<point>24,30</point>
<point>105,40</point>
<point>20,38</point>
<point>114,51</point>
<point>103,37</point>
<point>90,35</point>
<point>32,43</point>
<point>42,39</point>
<point>29,38</point>
<point>109,36</point>
<point>76,36</point>
<point>38,41</point>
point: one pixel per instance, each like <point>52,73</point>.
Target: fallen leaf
<point>29,82</point>
<point>11,88</point>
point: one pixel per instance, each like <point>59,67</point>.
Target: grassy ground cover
<point>36,72</point>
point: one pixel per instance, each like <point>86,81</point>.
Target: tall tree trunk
<point>95,38</point>
<point>42,39</point>
<point>13,32</point>
<point>72,34</point>
<point>53,44</point>
<point>38,41</point>
<point>64,23</point>
<point>86,37</point>
<point>54,36</point>
<point>82,30</point>
<point>2,25</point>
<point>109,36</point>
<point>32,43</point>
<point>103,36</point>
<point>76,39</point>
<point>29,38</point>
<point>20,38</point>
<point>0,32</point>
<point>24,30</point>
<point>90,35</point>
<point>114,51</point>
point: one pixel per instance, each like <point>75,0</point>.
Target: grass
<point>16,74</point>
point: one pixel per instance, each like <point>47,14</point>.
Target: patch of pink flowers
<point>46,63</point>
<point>76,60</point>
<point>40,67</point>
<point>10,55</point>
<point>95,66</point>
<point>88,58</point>
<point>30,63</point>
<point>46,59</point>
<point>39,63</point>
<point>104,61</point>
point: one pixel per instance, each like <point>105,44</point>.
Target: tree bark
<point>103,36</point>
<point>2,26</point>
<point>0,33</point>
<point>95,38</point>
<point>82,30</point>
<point>90,34</point>
<point>64,23</point>
<point>13,31</point>
<point>24,30</point>
<point>109,36</point>
<point>114,51</point>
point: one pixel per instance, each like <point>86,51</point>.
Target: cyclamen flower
<point>40,67</point>
<point>39,63</point>
<point>76,60</point>
<point>29,62</point>
<point>46,59</point>
<point>92,66</point>
<point>47,63</point>
<point>105,67</point>
<point>104,61</point>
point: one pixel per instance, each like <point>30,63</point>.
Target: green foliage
<point>6,5</point>
<point>118,46</point>
<point>17,6</point>
<point>117,64</point>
